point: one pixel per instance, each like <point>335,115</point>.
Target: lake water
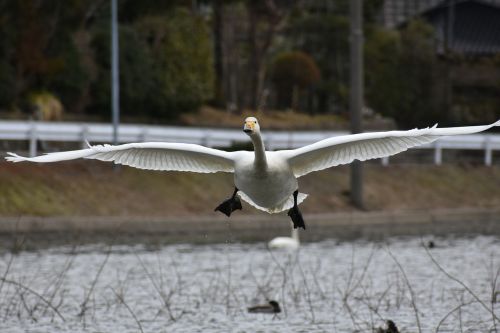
<point>329,286</point>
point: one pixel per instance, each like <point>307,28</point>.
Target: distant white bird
<point>266,180</point>
<point>289,243</point>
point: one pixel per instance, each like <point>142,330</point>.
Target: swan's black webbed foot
<point>230,205</point>
<point>295,214</point>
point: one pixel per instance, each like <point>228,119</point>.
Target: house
<point>467,42</point>
<point>395,12</point>
<point>466,27</point>
<point>470,28</point>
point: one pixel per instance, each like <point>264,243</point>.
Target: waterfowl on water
<point>288,243</point>
<point>272,307</point>
<point>391,328</point>
<point>266,180</point>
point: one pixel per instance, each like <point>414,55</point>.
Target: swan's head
<point>276,306</point>
<point>251,126</point>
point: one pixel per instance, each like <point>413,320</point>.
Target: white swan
<point>288,243</point>
<point>266,180</point>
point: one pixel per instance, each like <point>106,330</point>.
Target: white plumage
<point>287,243</point>
<point>265,179</point>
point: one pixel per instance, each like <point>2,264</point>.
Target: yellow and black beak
<point>249,127</point>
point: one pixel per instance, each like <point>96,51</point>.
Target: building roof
<point>396,12</point>
<point>469,27</point>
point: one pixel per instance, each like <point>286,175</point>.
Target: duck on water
<point>272,307</point>
<point>266,180</point>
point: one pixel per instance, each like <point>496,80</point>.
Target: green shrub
<point>403,75</point>
<point>45,106</point>
<point>68,76</point>
<point>165,66</point>
<point>7,83</point>
<point>293,73</point>
<point>138,80</point>
<point>181,47</point>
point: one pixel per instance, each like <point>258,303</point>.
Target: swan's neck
<point>260,151</point>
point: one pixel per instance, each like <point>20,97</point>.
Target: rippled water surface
<point>324,287</point>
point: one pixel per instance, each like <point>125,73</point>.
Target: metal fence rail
<point>210,137</point>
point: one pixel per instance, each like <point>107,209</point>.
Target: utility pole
<point>450,22</point>
<point>356,93</point>
<point>115,77</point>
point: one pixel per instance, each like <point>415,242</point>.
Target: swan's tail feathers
<point>285,205</point>
<point>15,158</point>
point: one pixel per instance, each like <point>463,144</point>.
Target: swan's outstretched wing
<point>347,148</point>
<point>147,155</point>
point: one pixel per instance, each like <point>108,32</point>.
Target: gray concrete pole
<point>115,76</point>
<point>356,93</point>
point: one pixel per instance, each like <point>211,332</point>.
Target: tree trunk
<point>255,61</point>
<point>219,93</point>
<point>295,98</point>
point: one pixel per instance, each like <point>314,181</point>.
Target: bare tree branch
<point>451,277</point>
<point>412,294</point>
<point>15,283</point>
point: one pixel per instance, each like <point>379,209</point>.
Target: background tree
<point>166,65</point>
<point>404,75</point>
<point>39,48</point>
<point>177,55</point>
<point>181,46</point>
<point>217,29</point>
<point>137,75</point>
<point>321,28</point>
<point>265,19</point>
<point>293,74</point>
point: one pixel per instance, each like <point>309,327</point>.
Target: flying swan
<point>266,180</point>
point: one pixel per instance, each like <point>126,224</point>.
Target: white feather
<point>347,148</point>
<point>287,204</point>
<point>147,155</point>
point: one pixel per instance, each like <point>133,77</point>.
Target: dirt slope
<point>91,188</point>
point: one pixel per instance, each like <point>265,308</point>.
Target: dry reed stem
<point>451,277</point>
<point>83,306</point>
<point>120,298</point>
<point>412,294</point>
<point>20,285</point>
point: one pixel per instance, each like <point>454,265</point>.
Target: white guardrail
<point>211,137</point>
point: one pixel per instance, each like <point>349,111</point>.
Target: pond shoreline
<point>249,228</point>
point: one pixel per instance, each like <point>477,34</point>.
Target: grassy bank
<point>91,188</point>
